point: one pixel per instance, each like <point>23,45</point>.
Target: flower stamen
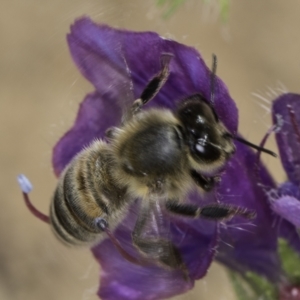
<point>26,188</point>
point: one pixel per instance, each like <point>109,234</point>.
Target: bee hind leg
<point>103,225</point>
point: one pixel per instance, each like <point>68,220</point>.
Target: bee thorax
<point>152,151</point>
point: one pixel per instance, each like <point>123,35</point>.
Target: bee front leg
<point>154,85</point>
<point>205,182</point>
<point>216,211</point>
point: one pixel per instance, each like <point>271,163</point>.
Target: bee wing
<point>127,98</point>
<point>151,236</point>
<point>116,83</point>
<point>159,222</point>
<point>121,85</point>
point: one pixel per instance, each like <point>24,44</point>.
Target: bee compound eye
<point>101,223</point>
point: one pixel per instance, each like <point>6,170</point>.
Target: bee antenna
<point>261,149</point>
<point>213,78</point>
<point>26,188</point>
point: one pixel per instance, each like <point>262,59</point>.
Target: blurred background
<point>258,51</point>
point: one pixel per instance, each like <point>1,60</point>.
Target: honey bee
<point>156,155</point>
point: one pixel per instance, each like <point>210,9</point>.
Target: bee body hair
<point>150,155</point>
<point>87,191</point>
<point>156,155</point>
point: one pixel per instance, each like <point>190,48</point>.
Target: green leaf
<point>290,261</point>
<point>263,289</point>
<point>224,8</point>
<point>242,292</point>
<point>172,5</point>
<point>161,2</point>
<point>252,287</point>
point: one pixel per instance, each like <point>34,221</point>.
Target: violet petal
<point>286,108</point>
<point>288,208</point>
<point>119,72</point>
<point>107,56</point>
<point>121,279</point>
<point>286,228</point>
<point>285,201</point>
<point>288,188</point>
<point>95,115</point>
<point>248,245</point>
<point>197,241</point>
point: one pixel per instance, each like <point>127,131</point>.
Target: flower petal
<point>197,242</point>
<point>286,222</point>
<point>95,115</point>
<point>119,63</point>
<point>248,245</point>
<point>107,57</point>
<point>286,110</point>
<point>121,279</point>
<point>119,72</point>
<point>288,208</point>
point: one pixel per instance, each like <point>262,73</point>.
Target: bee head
<point>208,140</point>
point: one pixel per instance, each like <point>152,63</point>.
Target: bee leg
<point>217,211</point>
<point>206,183</point>
<point>110,132</point>
<point>154,85</point>
<point>222,212</point>
<point>157,249</point>
<point>103,225</point>
<point>185,210</point>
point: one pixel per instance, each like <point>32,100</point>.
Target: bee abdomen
<point>71,225</point>
<point>65,224</point>
<point>80,197</point>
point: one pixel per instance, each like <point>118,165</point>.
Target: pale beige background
<point>39,95</point>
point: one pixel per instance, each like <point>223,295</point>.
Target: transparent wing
<point>151,236</point>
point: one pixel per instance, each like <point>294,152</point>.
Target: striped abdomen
<point>85,192</point>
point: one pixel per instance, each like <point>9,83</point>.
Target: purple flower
<point>248,247</point>
<point>119,64</point>
<point>257,250</point>
<point>285,199</point>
